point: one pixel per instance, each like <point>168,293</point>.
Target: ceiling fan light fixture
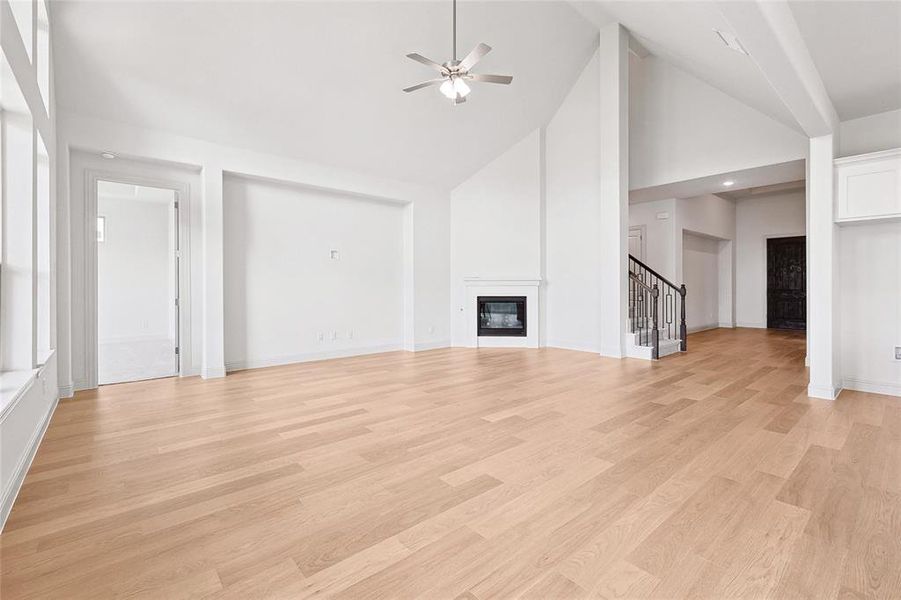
<point>460,87</point>
<point>454,73</point>
<point>447,88</point>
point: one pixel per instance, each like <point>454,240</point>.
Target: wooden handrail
<point>655,273</point>
<point>638,280</point>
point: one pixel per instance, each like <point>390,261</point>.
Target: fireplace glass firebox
<point>502,316</point>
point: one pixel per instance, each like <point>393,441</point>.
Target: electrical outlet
<point>333,254</point>
<point>897,352</point>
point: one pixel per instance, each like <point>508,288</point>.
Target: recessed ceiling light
<point>728,183</point>
<point>731,41</point>
<point>107,155</point>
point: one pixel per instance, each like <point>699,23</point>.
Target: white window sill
<point>12,385</point>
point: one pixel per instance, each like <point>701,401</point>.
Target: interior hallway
<point>472,473</point>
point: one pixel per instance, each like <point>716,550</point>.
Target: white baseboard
<point>212,372</point>
<point>21,469</point>
<point>726,325</point>
<point>824,392</point>
<point>872,387</point>
<point>435,345</point>
<point>67,391</point>
<point>274,361</point>
<point>571,345</point>
<point>612,352</point>
<point>707,327</point>
<point>751,325</point>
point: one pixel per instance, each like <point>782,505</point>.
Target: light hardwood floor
<point>470,474</point>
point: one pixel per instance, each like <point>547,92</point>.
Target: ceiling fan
<point>455,73</point>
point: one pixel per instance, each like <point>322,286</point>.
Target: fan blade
<point>419,86</point>
<point>427,62</point>
<point>473,57</point>
<point>503,79</point>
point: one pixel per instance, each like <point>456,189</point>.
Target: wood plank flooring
<point>470,474</point>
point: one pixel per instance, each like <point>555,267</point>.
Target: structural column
<point>822,272</point>
<point>213,360</point>
<point>614,188</point>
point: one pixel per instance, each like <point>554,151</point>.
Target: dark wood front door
<point>786,283</point>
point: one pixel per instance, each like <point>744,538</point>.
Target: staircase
<point>656,314</point>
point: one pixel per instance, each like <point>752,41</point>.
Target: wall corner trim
<point>823,392</point>
<point>212,372</point>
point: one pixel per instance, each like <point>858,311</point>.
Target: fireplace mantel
<point>468,281</point>
<point>502,286</point>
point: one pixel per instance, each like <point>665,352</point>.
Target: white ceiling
<point>856,47</point>
<point>682,34</point>
<point>745,179</point>
<point>321,81</point>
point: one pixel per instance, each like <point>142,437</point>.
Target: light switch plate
<point>662,216</point>
<point>897,352</point>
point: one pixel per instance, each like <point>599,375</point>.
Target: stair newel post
<point>683,330</point>
<point>655,335</point>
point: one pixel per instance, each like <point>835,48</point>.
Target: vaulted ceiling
<point>855,45</point>
<point>321,81</point>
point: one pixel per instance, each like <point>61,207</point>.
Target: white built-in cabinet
<point>868,187</point>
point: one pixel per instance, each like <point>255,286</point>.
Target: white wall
<point>682,128</point>
<point>700,268</point>
<point>777,215</point>
<point>713,217</point>
<point>572,221</point>
<point>870,306</point>
<point>709,217</point>
<point>658,219</point>
<point>425,237</point>
<point>283,289</point>
<point>495,224</point>
<point>135,269</point>
<point>870,134</point>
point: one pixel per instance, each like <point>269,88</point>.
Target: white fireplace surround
<point>481,286</point>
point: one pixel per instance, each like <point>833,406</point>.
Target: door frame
<point>766,303</point>
<point>643,232</point>
<point>183,256</point>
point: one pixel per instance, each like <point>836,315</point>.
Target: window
<point>17,287</point>
<point>43,252</point>
<point>42,57</point>
<point>101,229</point>
<point>26,218</point>
<point>23,15</point>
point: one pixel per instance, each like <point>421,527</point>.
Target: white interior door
<point>636,243</point>
<point>137,282</point>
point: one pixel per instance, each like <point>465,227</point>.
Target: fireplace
<point>502,316</point>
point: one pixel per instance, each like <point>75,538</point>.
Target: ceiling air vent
<point>731,41</point>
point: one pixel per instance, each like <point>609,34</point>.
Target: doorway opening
<point>786,282</point>
<point>137,282</point>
